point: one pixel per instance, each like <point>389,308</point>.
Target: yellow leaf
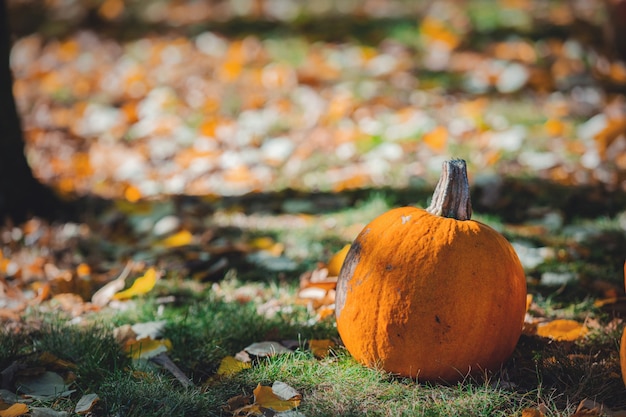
<point>436,139</point>
<point>321,348</point>
<point>182,238</point>
<point>141,286</point>
<point>562,330</point>
<point>147,348</point>
<point>529,301</point>
<point>230,366</point>
<point>336,262</point>
<point>266,398</point>
<point>13,410</point>
<point>267,244</point>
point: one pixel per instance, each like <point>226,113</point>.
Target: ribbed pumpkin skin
<point>430,297</point>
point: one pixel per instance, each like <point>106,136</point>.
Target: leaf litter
<point>333,116</point>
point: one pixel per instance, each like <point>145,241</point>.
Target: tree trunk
<point>21,195</point>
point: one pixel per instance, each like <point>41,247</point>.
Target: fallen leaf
<point>107,292</point>
<point>182,238</point>
<point>150,329</point>
<point>266,349</point>
<point>86,403</point>
<point>230,366</point>
<point>562,330</point>
<point>47,412</point>
<point>49,359</point>
<point>266,397</point>
<point>320,278</point>
<point>321,348</point>
<point>236,403</point>
<point>12,410</point>
<point>43,386</point>
<point>532,412</point>
<point>590,408</point>
<point>336,261</point>
<point>147,348</point>
<point>142,285</point>
<point>284,391</point>
<point>436,138</point>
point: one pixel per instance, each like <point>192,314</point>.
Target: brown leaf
<point>532,412</point>
<point>321,348</point>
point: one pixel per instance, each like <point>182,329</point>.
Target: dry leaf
<point>147,348</point>
<point>48,359</point>
<point>336,262</point>
<point>149,329</point>
<point>436,139</point>
<point>86,403</point>
<point>182,238</point>
<point>107,292</point>
<point>284,391</point>
<point>141,286</point>
<point>47,412</point>
<point>321,348</point>
<point>43,386</point>
<point>589,408</point>
<point>230,366</point>
<point>266,349</point>
<point>266,397</point>
<point>562,330</point>
<point>319,278</point>
<point>12,410</point>
<point>532,412</point>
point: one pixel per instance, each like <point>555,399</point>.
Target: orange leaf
<point>266,398</point>
<point>132,194</point>
<point>83,270</point>
<point>436,138</point>
<point>141,286</point>
<point>562,330</point>
<point>336,262</point>
<point>321,348</point>
<point>14,410</point>
<point>532,412</point>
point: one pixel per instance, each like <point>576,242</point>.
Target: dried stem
<point>452,193</point>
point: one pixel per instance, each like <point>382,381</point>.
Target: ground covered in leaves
<point>228,150</point>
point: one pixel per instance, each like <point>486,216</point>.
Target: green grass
<point>206,322</point>
<point>205,329</point>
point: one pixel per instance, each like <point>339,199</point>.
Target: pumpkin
<point>622,355</point>
<point>622,348</point>
<point>431,294</point>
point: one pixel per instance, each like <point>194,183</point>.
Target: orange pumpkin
<point>622,348</point>
<point>431,294</point>
<point>622,355</point>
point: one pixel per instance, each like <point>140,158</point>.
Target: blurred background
<point>149,98</point>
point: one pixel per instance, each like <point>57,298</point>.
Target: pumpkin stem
<point>452,193</point>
